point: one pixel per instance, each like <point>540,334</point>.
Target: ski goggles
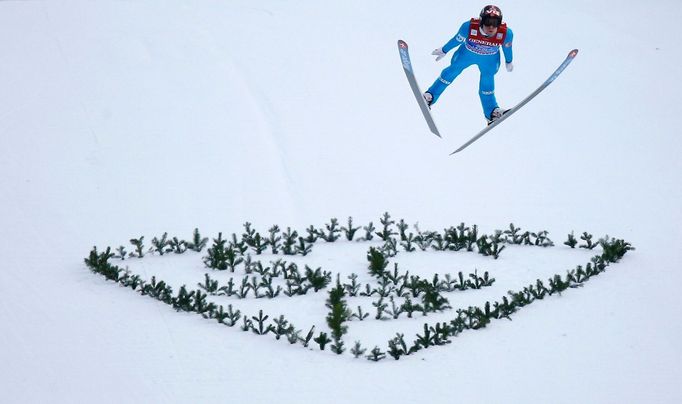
<point>491,22</point>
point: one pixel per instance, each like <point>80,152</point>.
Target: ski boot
<point>428,97</point>
<point>496,114</point>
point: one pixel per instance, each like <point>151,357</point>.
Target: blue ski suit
<point>487,58</point>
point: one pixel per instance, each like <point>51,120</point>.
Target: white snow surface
<point>127,118</point>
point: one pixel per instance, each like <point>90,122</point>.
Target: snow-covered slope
<point>120,119</point>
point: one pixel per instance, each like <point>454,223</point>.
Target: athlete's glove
<point>509,66</point>
<point>438,53</point>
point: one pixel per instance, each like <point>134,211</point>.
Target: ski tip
<point>573,53</point>
<point>402,44</point>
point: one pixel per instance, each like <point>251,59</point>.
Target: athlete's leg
<point>486,86</point>
<point>448,75</point>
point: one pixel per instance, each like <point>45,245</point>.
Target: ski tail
<point>409,73</point>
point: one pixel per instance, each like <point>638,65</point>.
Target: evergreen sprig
<point>571,242</point>
<point>198,243</point>
<point>338,315</point>
<point>333,231</point>
<point>138,243</point>
<point>377,262</point>
<point>387,231</point>
<point>349,230</point>
<point>160,245</point>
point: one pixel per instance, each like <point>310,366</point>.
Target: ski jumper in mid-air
<point>482,38</point>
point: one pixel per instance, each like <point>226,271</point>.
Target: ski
<point>407,67</point>
<point>557,72</point>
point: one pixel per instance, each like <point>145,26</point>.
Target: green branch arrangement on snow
<point>395,293</point>
<point>474,318</point>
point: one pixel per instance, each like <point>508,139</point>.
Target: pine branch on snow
<point>281,327</point>
<point>177,246</point>
<point>313,234</point>
<point>290,238</point>
<point>209,285</point>
<point>184,301</point>
<point>303,248</point>
<point>138,243</point>
<point>587,238</point>
<point>357,350</point>
<point>337,316</point>
<point>274,240</point>
<point>377,262</point>
<point>217,257</point>
<point>369,232</point>
<point>332,233</point>
<point>360,315</point>
<point>258,324</point>
<point>353,287</point>
<point>402,228</point>
<point>376,354</point>
<point>350,230</point>
<point>322,340</point>
<point>317,279</point>
<point>121,253</point>
<point>387,232</point>
<point>305,341</point>
<point>160,245</point>
<point>198,243</point>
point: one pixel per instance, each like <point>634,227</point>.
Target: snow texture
<point>127,118</point>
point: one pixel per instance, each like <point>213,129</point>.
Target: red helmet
<point>491,15</point>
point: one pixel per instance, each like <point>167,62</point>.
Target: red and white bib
<point>477,38</point>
